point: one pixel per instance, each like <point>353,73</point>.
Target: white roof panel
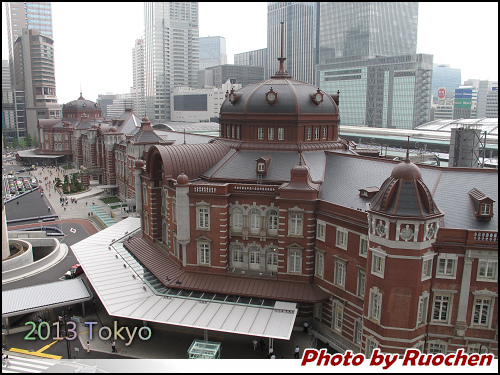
<point>129,297</point>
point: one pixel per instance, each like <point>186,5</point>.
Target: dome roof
<point>139,163</point>
<point>182,179</point>
<point>405,194</point>
<point>407,171</point>
<point>113,129</point>
<point>291,97</point>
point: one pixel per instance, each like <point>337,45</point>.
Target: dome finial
<point>282,72</point>
<point>407,160</point>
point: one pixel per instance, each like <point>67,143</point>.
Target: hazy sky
<point>93,41</point>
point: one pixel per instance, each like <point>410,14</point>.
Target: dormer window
<point>482,205</point>
<point>263,164</point>
<point>368,192</point>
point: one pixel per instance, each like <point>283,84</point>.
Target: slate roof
<point>346,174</point>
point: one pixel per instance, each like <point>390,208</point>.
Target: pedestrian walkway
<point>20,364</point>
<point>102,215</point>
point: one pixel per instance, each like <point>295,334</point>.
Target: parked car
<point>74,271</point>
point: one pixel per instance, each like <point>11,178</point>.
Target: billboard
<point>441,92</point>
<point>463,103</point>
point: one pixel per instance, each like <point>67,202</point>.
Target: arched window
<point>254,258</point>
<point>254,217</point>
<point>237,219</point>
<point>272,259</point>
<point>237,256</point>
<point>272,222</point>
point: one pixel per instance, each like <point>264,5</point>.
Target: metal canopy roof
<point>119,281</point>
<point>38,297</point>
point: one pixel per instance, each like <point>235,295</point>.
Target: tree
<point>34,140</point>
<point>15,143</point>
<point>22,143</point>
<point>29,140</point>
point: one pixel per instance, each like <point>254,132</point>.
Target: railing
<point>204,189</point>
<point>254,189</point>
<point>486,236</point>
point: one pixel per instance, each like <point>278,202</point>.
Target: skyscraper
<point>212,51</point>
<point>443,76</point>
<point>139,82</point>
<point>300,38</point>
<point>252,58</point>
<point>31,60</point>
<point>368,29</point>
<point>171,53</point>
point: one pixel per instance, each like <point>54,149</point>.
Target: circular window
<point>406,233</point>
<point>430,232</point>
<point>380,229</point>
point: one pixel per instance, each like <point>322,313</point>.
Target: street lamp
<point>480,346</point>
<point>66,332</point>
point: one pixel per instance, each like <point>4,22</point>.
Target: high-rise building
<point>217,75</point>
<point>487,97</point>
<point>27,15</point>
<point>171,53</point>
<point>212,51</point>
<point>465,105</point>
<point>252,58</point>
<point>34,74</point>
<point>300,38</point>
<point>6,75</point>
<point>31,60</point>
<point>443,76</point>
<point>139,82</point>
<point>386,92</point>
<point>368,29</point>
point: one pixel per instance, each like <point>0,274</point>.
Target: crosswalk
<point>23,364</point>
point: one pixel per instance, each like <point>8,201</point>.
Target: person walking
<point>88,347</point>
<point>113,347</point>
<point>6,361</point>
<point>254,342</point>
<point>271,352</point>
<point>306,327</point>
<point>296,352</point>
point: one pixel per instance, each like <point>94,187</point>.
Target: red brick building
<point>376,253</point>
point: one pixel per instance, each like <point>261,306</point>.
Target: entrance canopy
<point>127,290</point>
<point>38,297</point>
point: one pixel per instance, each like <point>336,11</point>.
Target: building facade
<point>443,76</point>
<point>387,92</point>
<point>139,81</point>
<point>200,105</point>
<point>300,37</point>
<point>252,58</point>
<point>369,29</point>
<point>487,97</point>
<point>171,53</point>
<point>375,253</point>
<point>465,102</point>
<point>216,76</point>
<point>212,51</point>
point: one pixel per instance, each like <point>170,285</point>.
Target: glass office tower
<point>300,38</point>
<point>212,51</point>
<point>367,29</point>
<point>171,52</point>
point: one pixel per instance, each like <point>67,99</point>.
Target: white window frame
<point>340,272</point>
<point>309,134</point>
<point>446,266</point>
<point>487,270</point>
<point>294,261</point>
<point>270,134</point>
<point>261,167</point>
<point>281,134</point>
<point>237,259</point>
<point>254,221</point>
<point>237,219</point>
<point>341,238</point>
<point>320,230</point>
<point>426,267</point>
<point>371,344</point>
<point>272,260</point>
<point>477,348</point>
<point>363,245</point>
<point>203,252</point>
<point>378,262</point>
<point>485,209</point>
<point>320,264</point>
<point>375,304</point>
<point>436,346</point>
<point>295,223</point>
<point>442,299</point>
<point>423,307</point>
<point>317,310</point>
<point>357,336</point>
<point>272,221</point>
<point>325,132</point>
<point>482,303</point>
<point>260,133</point>
<point>203,217</point>
<point>316,133</point>
<point>174,210</point>
<point>254,258</point>
<point>361,281</point>
<point>338,315</point>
